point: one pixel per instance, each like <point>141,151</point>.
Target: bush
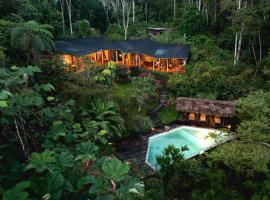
<point>163,76</point>
<point>138,30</point>
<point>140,125</point>
<point>82,28</point>
<point>135,71</point>
<point>122,74</point>
<point>154,189</point>
<point>171,37</point>
<point>114,32</point>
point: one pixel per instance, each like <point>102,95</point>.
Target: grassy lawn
<point>124,91</point>
<point>168,115</point>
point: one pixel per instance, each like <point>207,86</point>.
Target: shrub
<point>135,71</point>
<point>154,189</point>
<point>140,124</point>
<point>122,74</point>
<point>82,28</point>
<point>138,30</point>
<point>114,32</point>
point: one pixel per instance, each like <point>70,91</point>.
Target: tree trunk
<point>106,7</point>
<point>199,5</point>
<point>20,138</point>
<point>260,44</point>
<point>68,2</point>
<point>235,49</point>
<point>126,6</point>
<point>62,6</point>
<point>133,11</point>
<point>238,39</point>
<point>146,11</point>
<point>207,15</point>
<point>254,53</point>
<point>174,10</point>
<point>239,45</point>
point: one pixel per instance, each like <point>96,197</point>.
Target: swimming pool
<point>198,140</point>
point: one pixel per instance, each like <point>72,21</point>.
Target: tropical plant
<point>82,28</point>
<point>68,163</point>
<point>19,104</point>
<point>32,38</point>
<point>143,88</point>
<point>140,125</point>
<point>104,115</point>
<point>178,175</point>
<point>106,76</point>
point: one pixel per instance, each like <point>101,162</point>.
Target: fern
<point>31,37</point>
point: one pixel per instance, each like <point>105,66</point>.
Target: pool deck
<point>136,149</point>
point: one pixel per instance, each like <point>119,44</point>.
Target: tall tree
<point>174,10</point>
<point>69,7</point>
<point>106,6</point>
<point>62,6</point>
<point>126,8</point>
<point>116,9</point>
<point>133,11</point>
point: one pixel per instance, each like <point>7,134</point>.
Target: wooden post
<point>153,64</point>
<point>139,61</point>
<point>76,63</point>
<point>167,64</point>
<point>116,54</point>
<point>184,62</point>
<point>96,57</point>
<point>123,59</point>
<point>102,57</point>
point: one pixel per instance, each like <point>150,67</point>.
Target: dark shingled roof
<point>84,46</point>
<point>205,106</point>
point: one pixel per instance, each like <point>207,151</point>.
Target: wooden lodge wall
<point>101,58</point>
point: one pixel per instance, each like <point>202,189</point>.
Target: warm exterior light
<point>191,116</point>
<point>203,118</point>
<point>217,120</point>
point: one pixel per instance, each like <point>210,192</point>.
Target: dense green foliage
<point>59,129</point>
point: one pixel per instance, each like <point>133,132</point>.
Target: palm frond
<point>38,43</point>
<point>15,35</point>
<point>24,41</point>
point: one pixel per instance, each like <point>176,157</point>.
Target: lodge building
<point>206,112</point>
<point>79,53</point>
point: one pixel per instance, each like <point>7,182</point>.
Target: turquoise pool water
<point>197,140</point>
